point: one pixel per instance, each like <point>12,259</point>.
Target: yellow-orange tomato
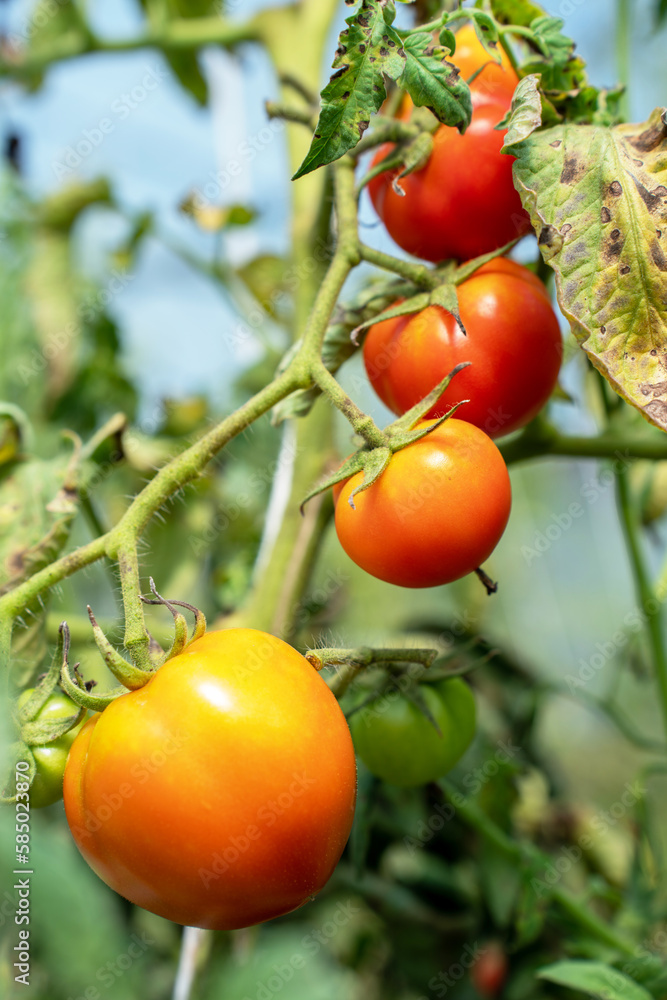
<point>494,83</point>
<point>222,793</point>
<point>436,512</point>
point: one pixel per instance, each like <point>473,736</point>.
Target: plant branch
<point>180,33</point>
<point>419,274</point>
<point>540,440</point>
<point>471,814</point>
<point>643,589</point>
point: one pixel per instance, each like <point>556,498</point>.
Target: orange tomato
<point>222,793</point>
<point>436,512</point>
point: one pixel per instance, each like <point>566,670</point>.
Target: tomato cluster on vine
<point>441,506</point>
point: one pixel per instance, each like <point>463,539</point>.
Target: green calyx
<point>130,676</point>
<point>373,458</point>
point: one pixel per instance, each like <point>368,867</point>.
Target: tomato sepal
<point>17,752</point>
<point>131,677</point>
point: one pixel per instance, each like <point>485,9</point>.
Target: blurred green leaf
<point>595,979</point>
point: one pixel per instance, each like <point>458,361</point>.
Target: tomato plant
<point>400,744</point>
<point>216,785</point>
<point>170,798</point>
<point>512,340</point>
<point>50,759</point>
<point>434,515</point>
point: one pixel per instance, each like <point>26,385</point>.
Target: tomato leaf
<point>520,12</point>
<point>434,83</point>
<point>597,198</point>
<point>554,44</point>
<point>526,112</point>
<point>594,978</point>
<point>487,33</point>
<point>368,49</point>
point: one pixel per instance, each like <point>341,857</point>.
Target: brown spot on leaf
<point>362,126</point>
<point>337,75</point>
<point>556,143</point>
<point>615,189</point>
<point>654,352</point>
<point>653,388</point>
<point>605,215</point>
<point>658,233</point>
<point>362,48</point>
<point>603,329</point>
<point>384,51</point>
<point>614,234</point>
<point>548,236</point>
<point>624,269</point>
<point>658,256</point>
<point>651,199</point>
<point>572,169</point>
<point>612,249</point>
<point>657,410</point>
<point>651,138</point>
<point>565,229</point>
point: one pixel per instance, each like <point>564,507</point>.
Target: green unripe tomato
<point>399,744</point>
<point>50,759</point>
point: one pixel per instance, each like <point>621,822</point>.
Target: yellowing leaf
<point>597,198</point>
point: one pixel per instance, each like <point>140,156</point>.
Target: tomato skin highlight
<point>399,744</point>
<point>463,202</point>
<point>512,340</point>
<point>222,793</point>
<point>436,512</point>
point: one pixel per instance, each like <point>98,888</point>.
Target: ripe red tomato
<point>222,793</point>
<point>436,512</point>
<point>513,342</point>
<point>463,202</point>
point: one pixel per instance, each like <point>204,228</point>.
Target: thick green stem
<point>419,274</point>
<point>171,478</point>
<point>190,33</point>
<point>649,604</point>
<point>540,440</point>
